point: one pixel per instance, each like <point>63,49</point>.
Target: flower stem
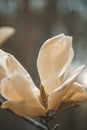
<point>45,120</point>
<point>31,121</point>
<point>34,122</point>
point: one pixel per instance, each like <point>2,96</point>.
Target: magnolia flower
<point>5,33</point>
<point>57,85</point>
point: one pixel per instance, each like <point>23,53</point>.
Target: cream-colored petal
<point>56,54</point>
<point>57,95</point>
<point>24,109</point>
<point>5,33</point>
<point>65,70</point>
<point>17,87</point>
<point>76,93</point>
<point>9,64</point>
<point>61,60</point>
<point>44,59</point>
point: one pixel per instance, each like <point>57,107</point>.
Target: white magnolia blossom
<point>57,85</point>
<point>5,33</point>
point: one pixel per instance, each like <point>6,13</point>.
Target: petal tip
<point>81,68</point>
<point>69,38</point>
<point>5,33</point>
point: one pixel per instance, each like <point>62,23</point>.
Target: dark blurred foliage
<point>35,21</point>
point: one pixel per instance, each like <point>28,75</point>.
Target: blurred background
<point>35,21</point>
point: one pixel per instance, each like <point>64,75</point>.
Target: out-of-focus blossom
<point>5,33</point>
<point>57,85</point>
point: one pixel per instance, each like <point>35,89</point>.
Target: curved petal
<point>61,60</point>
<point>17,87</point>
<point>76,93</point>
<point>5,33</point>
<point>44,60</point>
<point>55,54</point>
<point>65,70</point>
<point>57,95</point>
<point>9,64</point>
<point>24,109</point>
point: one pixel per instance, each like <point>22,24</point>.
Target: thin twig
<point>34,122</point>
<point>31,121</point>
<point>45,120</point>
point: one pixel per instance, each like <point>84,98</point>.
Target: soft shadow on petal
<point>16,87</point>
<point>24,109</point>
<point>44,61</point>
<point>61,59</point>
<point>3,66</point>
<point>5,33</point>
<point>77,93</point>
<point>65,70</point>
<point>53,63</point>
<point>9,64</point>
<point>57,95</point>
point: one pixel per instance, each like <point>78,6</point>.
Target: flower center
<point>43,97</point>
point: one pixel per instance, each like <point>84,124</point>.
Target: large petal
<point>57,95</point>
<point>76,93</point>
<point>44,59</point>
<point>5,33</point>
<point>17,87</point>
<point>9,64</point>
<point>55,54</point>
<point>65,70</point>
<point>61,60</point>
<point>24,109</point>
